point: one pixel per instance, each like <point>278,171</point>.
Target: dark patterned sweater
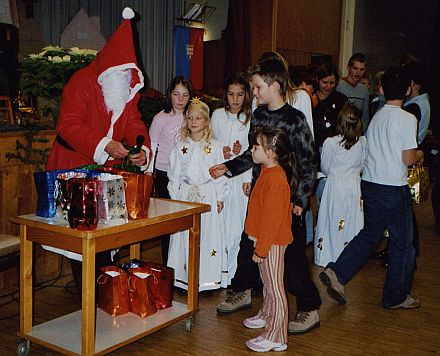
<point>293,122</point>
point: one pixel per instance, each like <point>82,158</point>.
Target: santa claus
<point>98,113</point>
<point>99,108</point>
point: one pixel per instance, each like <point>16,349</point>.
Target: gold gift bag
<point>137,193</point>
<point>418,181</point>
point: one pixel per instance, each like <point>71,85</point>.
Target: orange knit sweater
<point>269,217</point>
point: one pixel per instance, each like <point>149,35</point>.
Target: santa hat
<point>119,54</point>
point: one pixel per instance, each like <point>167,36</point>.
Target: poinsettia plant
<point>45,74</point>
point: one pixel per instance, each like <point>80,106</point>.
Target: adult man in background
<point>356,93</point>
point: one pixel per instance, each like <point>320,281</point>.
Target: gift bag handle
<point>131,285</point>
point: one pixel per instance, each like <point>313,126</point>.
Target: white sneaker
<point>259,344</point>
<point>254,322</point>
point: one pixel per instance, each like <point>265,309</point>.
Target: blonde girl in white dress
<point>189,180</point>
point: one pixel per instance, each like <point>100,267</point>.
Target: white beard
<point>116,90</point>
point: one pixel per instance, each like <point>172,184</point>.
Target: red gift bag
<point>163,284</point>
<point>140,286</point>
<point>83,204</point>
<point>113,290</point>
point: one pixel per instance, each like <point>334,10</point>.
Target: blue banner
<point>182,44</point>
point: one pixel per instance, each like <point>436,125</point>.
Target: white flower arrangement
<point>44,74</point>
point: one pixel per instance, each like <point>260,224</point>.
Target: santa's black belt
<point>64,143</point>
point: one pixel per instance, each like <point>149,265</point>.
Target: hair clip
<point>274,141</point>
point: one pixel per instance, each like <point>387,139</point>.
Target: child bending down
<point>268,224</point>
<point>189,180</point>
<point>341,216</point>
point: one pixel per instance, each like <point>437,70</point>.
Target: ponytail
<point>276,139</point>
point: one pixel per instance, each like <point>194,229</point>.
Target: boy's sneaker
<point>408,303</point>
<point>235,301</point>
<point>259,344</point>
<point>304,322</point>
<point>334,288</point>
<point>254,322</point>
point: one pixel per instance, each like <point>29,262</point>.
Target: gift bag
<point>137,193</point>
<point>141,299</point>
<point>163,284</point>
<point>82,203</point>
<point>62,196</point>
<point>418,181</point>
<point>45,184</point>
<point>111,199</point>
<point>113,290</point>
<point>47,188</point>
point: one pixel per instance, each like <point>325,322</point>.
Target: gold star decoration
<point>341,224</point>
<point>196,100</point>
<point>207,150</point>
<point>184,150</point>
<point>213,253</point>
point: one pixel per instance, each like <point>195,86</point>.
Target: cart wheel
<point>24,348</point>
<point>189,322</point>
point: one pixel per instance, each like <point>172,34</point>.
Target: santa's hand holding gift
<point>99,108</point>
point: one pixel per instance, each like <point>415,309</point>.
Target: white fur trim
<point>100,156</point>
<point>127,14</point>
<point>147,167</point>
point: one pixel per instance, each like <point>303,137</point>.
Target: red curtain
<point>237,37</point>
<point>196,62</point>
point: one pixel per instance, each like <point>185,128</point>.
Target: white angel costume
<point>228,128</point>
<point>340,215</point>
<point>189,180</point>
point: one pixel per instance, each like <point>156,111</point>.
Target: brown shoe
<point>408,303</point>
<point>235,301</point>
<point>334,288</point>
<point>304,322</point>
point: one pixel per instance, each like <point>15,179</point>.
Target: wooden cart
<point>74,334</point>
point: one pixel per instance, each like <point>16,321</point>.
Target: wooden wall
<point>261,13</point>
<point>308,26</point>
<point>18,197</point>
<point>295,28</point>
<point>17,189</point>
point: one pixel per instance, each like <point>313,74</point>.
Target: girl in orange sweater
<point>268,224</point>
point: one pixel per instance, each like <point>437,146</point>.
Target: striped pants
<point>274,309</point>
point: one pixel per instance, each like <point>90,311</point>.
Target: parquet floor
<point>361,327</point>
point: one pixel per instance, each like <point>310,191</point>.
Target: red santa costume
<point>92,113</point>
<point>86,124</point>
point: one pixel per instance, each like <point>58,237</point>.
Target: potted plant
<point>45,74</point>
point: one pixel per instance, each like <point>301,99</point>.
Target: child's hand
<point>219,206</point>
<point>257,259</point>
<point>297,210</point>
<point>236,148</point>
<point>218,170</point>
<point>227,152</point>
<point>246,188</point>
